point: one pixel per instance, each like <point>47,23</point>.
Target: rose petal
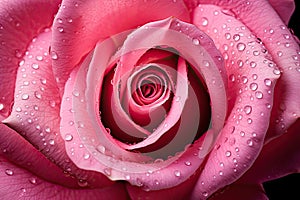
<point>278,158</point>
<point>90,146</point>
<point>35,113</point>
<point>83,20</point>
<point>284,8</point>
<point>20,21</point>
<point>241,191</point>
<point>284,50</point>
<point>17,183</point>
<point>181,191</point>
<point>250,98</point>
<point>163,33</point>
<point>17,150</point>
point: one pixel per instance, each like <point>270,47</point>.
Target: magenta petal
<point>17,183</point>
<point>278,158</point>
<point>81,21</point>
<point>284,8</point>
<point>251,83</point>
<point>20,22</point>
<point>20,152</point>
<point>241,191</point>
<point>35,113</point>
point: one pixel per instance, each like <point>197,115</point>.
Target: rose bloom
<point>147,99</point>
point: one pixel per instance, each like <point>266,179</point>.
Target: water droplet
<point>18,109</point>
<point>35,66</point>
<point>60,29</point>
<point>1,106</point>
<point>177,173</point>
<point>205,63</point>
<point>188,163</point>
<point>268,82</point>
<point>244,79</point>
<point>33,180</point>
<point>253,86</point>
<point>232,77</point>
<point>256,53</point>
<point>227,36</point>
<point>127,177</point>
<point>236,37</point>
<point>47,130</point>
<point>82,183</point>
<point>250,143</point>
<point>68,137</point>
<point>9,172</point>
<point>54,55</point>
<point>252,64</point>
<point>240,63</point>
<point>25,96</point>
<point>249,120</point>
<point>276,71</point>
<point>240,46</point>
<point>279,53</point>
<point>196,41</point>
<point>205,194</point>
<point>247,109</point>
<point>37,95</point>
<point>221,173</point>
<point>227,153</point>
<point>107,171</point>
<point>259,95</point>
<point>75,93</point>
<point>101,149</point>
<point>204,21</point>
<point>51,141</point>
<point>86,156</point>
<point>39,58</point>
<point>242,133</point>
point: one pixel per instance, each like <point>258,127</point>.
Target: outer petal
<point>241,191</point>
<point>278,158</point>
<point>83,23</point>
<point>17,183</point>
<point>284,8</point>
<point>18,151</point>
<point>251,84</point>
<point>35,113</point>
<point>265,24</point>
<point>20,21</point>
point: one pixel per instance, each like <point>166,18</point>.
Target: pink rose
<point>147,99</point>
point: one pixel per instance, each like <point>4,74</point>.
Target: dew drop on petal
<point>177,173</point>
<point>188,163</point>
<point>247,109</point>
<point>240,46</point>
<point>253,86</point>
<point>204,21</point>
<point>9,172</point>
<point>259,95</point>
<point>252,64</point>
<point>227,153</point>
<point>107,171</point>
<point>196,41</point>
<point>236,37</point>
<point>250,142</point>
<point>268,82</point>
<point>25,96</point>
<point>32,180</point>
<point>68,137</point>
<point>53,55</point>
<point>35,66</point>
